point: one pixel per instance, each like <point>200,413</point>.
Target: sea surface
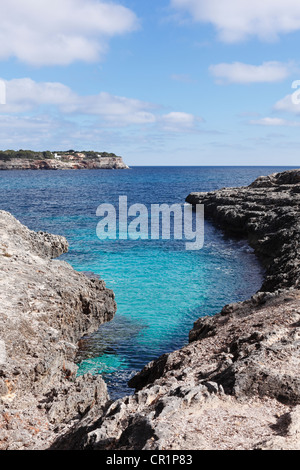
<point>161,288</point>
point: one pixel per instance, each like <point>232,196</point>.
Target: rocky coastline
<point>234,386</point>
<point>45,308</point>
<point>104,163</point>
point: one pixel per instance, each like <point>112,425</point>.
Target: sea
<point>161,287</point>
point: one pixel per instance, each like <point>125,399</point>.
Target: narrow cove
<point>161,289</point>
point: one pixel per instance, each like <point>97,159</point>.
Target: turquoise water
<point>161,288</point>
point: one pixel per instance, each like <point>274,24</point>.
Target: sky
<point>159,82</point>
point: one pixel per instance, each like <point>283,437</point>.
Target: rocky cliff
<point>104,163</point>
<point>236,385</point>
<point>45,308</point>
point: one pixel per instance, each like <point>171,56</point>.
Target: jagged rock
<point>267,212</point>
<point>236,384</point>
<point>45,308</point>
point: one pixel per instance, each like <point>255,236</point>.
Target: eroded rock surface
<point>104,163</point>
<point>236,385</point>
<point>45,308</point>
<point>267,213</point>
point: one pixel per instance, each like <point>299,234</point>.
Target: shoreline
<point>266,214</point>
<point>235,386</point>
<point>45,308</point>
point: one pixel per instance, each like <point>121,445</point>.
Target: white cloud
<point>276,122</point>
<point>25,97</point>
<point>237,20</point>
<point>179,121</point>
<point>238,72</point>
<point>116,109</point>
<point>59,32</point>
<point>289,104</point>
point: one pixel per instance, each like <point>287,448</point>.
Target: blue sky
<point>160,82</point>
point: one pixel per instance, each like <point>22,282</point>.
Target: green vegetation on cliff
<point>94,155</point>
<point>25,155</point>
<point>6,155</point>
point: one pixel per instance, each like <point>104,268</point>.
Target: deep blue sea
<point>161,288</point>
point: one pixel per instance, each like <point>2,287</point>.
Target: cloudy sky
<point>160,82</point>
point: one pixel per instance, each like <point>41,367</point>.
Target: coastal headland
<point>235,386</point>
<point>67,160</point>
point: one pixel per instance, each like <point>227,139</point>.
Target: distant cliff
<point>103,163</point>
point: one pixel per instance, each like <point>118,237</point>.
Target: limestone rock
<point>236,385</point>
<point>45,308</point>
<point>103,163</point>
